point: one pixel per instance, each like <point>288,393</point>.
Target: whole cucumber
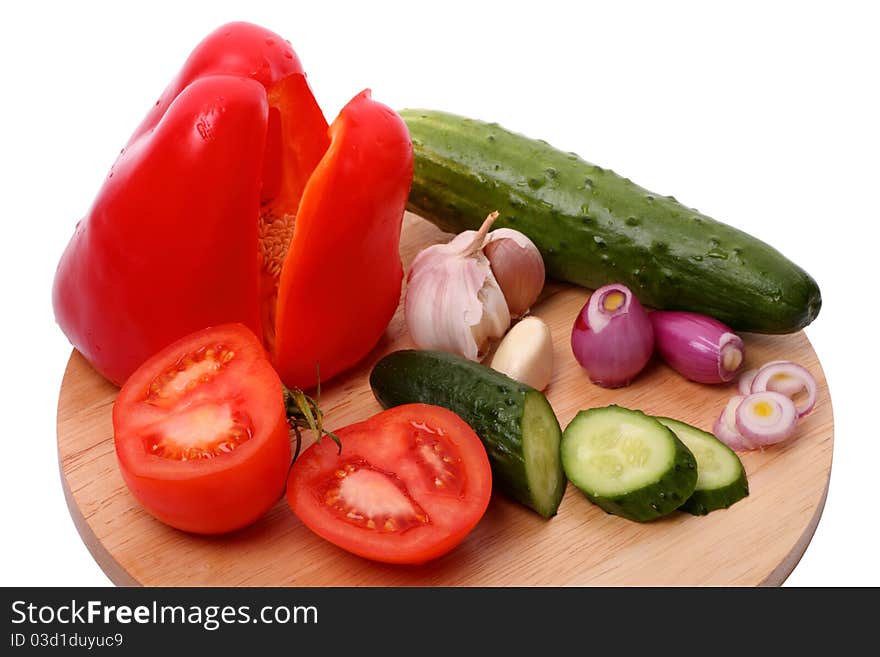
<point>594,227</point>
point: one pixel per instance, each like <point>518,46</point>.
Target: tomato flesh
<point>438,460</point>
<point>372,499</point>
<point>407,487</point>
<point>192,369</point>
<point>201,432</point>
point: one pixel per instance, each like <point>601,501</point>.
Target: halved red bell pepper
<point>234,202</point>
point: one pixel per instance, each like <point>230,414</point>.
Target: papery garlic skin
<point>518,267</point>
<point>526,353</point>
<point>453,301</point>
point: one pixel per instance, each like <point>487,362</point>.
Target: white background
<point>764,115</point>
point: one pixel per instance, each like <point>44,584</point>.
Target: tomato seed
<point>398,517</point>
<point>201,433</point>
<point>190,371</point>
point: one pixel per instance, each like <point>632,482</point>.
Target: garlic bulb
<point>518,268</point>
<point>453,301</point>
<point>526,353</point>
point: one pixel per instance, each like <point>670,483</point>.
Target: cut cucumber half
<point>515,422</point>
<point>628,463</point>
<point>721,477</point>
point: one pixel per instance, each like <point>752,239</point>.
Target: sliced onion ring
<point>725,427</point>
<point>788,379</point>
<point>766,418</point>
<point>745,382</point>
<point>787,385</point>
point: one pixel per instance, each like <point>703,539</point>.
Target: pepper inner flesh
<point>274,234</point>
<point>296,140</point>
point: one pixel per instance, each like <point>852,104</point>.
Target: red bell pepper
<point>234,202</point>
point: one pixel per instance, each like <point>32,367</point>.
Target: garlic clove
<point>526,353</point>
<point>495,320</point>
<point>453,301</point>
<point>518,268</point>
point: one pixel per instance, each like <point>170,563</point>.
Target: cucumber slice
<point>628,463</point>
<point>541,436</point>
<point>515,422</point>
<point>721,477</point>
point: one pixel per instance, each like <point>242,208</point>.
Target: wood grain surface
<point>758,541</point>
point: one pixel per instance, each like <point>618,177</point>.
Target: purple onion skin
<point>690,343</point>
<point>614,356</point>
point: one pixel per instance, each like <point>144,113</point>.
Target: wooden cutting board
<point>757,541</point>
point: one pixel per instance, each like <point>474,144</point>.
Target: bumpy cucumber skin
<point>703,502</point>
<point>490,402</point>
<point>652,501</point>
<point>594,227</point>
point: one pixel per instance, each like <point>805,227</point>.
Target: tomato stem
<point>303,412</point>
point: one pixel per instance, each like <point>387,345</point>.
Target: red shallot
<point>612,336</point>
<point>699,348</point>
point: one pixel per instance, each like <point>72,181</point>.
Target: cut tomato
<point>201,432</point>
<point>406,487</point>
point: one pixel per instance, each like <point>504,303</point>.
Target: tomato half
<point>407,486</point>
<point>201,432</point>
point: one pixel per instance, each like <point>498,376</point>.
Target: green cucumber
<point>594,227</point>
<point>515,422</point>
<point>721,477</point>
<point>628,463</point>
